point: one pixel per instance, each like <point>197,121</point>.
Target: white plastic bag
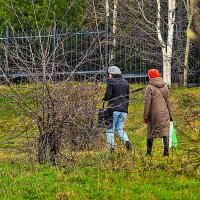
<point>171,126</point>
<point>170,134</point>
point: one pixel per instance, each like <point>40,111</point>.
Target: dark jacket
<point>157,108</point>
<point>117,94</point>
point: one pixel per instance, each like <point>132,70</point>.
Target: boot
<point>112,150</point>
<point>166,152</point>
<point>166,146</point>
<point>149,147</point>
<point>128,146</point>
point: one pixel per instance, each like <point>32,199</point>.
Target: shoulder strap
<point>160,93</point>
<point>165,100</point>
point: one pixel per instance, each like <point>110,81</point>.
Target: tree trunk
<point>171,19</point>
<point>107,59</point>
<point>165,64</point>
<point>166,48</point>
<point>163,46</point>
<point>185,72</point>
<point>49,137</point>
<point>114,31</point>
<point>190,13</point>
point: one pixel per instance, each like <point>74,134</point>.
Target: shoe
<point>166,146</point>
<point>112,150</point>
<point>166,153</point>
<point>149,147</point>
<point>148,154</point>
<point>128,146</point>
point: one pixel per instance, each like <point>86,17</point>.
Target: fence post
<point>7,73</point>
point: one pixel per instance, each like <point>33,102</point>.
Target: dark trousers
<point>165,142</point>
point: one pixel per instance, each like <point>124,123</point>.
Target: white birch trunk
<point>114,21</point>
<point>107,8</point>
<point>166,48</point>
<point>114,29</point>
<point>163,46</point>
<point>171,19</point>
<point>107,62</point>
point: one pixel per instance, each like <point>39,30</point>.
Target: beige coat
<point>157,108</point>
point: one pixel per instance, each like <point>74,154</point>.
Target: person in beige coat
<point>157,111</point>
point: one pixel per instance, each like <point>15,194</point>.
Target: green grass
<point>100,175</point>
<point>23,181</point>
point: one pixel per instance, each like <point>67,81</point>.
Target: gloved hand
<point>171,120</point>
<point>146,121</point>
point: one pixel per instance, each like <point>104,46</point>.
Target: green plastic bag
<point>174,138</point>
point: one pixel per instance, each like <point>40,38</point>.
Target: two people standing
<point>157,111</point>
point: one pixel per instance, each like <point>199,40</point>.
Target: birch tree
<point>114,26</point>
<point>107,29</point>
<point>114,29</point>
<point>166,45</point>
<point>190,6</point>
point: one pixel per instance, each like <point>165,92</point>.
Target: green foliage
<point>41,14</point>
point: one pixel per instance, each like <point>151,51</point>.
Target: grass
<point>25,181</point>
<point>100,175</point>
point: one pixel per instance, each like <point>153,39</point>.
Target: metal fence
<point>29,56</point>
<point>52,53</point>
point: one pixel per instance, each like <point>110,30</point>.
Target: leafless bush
<point>55,117</point>
<point>68,119</point>
<point>187,122</point>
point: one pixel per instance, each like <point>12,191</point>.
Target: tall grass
<point>101,175</point>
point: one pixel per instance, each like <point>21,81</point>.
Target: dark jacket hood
<point>157,82</point>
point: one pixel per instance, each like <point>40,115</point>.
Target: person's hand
<point>171,120</point>
<point>146,121</point>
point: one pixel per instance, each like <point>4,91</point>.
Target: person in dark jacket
<point>117,95</point>
<point>157,111</point>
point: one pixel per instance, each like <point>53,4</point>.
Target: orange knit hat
<point>153,73</point>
